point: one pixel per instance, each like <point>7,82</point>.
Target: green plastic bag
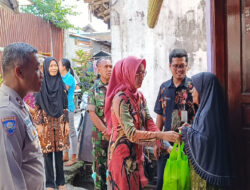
<point>177,171</point>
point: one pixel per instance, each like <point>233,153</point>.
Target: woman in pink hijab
<point>130,125</point>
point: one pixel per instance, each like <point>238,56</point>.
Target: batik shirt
<point>96,102</point>
<point>53,137</point>
<point>172,102</point>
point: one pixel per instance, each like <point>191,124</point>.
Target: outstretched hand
<point>169,150</point>
<point>184,125</point>
<point>106,134</point>
<point>170,136</point>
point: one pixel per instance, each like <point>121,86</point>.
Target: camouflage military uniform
<point>96,102</point>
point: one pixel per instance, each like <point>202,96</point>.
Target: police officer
<point>21,161</point>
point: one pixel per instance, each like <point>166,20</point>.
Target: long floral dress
<point>130,131</point>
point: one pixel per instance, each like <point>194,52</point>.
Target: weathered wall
<point>181,24</point>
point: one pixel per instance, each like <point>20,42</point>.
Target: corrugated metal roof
<point>45,37</point>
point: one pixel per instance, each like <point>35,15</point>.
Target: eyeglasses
<point>143,74</point>
<point>178,66</point>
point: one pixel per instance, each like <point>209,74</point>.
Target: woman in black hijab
<point>206,141</point>
<point>52,122</point>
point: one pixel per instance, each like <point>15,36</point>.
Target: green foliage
<point>51,10</point>
<point>83,58</point>
<point>1,79</point>
<point>87,78</point>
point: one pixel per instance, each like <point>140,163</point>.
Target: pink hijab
<point>122,79</point>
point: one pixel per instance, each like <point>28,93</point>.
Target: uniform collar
<point>13,95</point>
<point>170,83</point>
<point>100,83</point>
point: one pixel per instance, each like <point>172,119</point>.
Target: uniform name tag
<point>31,130</point>
<point>184,116</point>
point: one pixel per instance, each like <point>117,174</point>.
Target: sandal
<point>61,187</point>
<point>70,163</point>
<point>66,157</point>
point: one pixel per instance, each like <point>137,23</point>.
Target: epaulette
<point>4,100</point>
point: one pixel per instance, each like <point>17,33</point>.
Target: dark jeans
<point>160,170</point>
<point>49,169</point>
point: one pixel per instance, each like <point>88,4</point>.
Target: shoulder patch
<point>9,124</point>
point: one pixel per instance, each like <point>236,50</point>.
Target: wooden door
<point>238,77</point>
<point>231,63</point>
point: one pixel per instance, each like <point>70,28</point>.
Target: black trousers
<point>49,169</point>
<point>160,170</point>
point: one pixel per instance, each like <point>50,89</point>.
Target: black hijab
<point>52,97</point>
<point>206,142</point>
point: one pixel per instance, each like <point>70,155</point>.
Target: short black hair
<point>178,53</point>
<point>16,54</point>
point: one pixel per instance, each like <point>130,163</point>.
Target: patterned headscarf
<point>122,79</point>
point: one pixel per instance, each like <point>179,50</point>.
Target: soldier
<point>100,134</point>
<point>21,165</point>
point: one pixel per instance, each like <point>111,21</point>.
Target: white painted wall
<point>181,24</point>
